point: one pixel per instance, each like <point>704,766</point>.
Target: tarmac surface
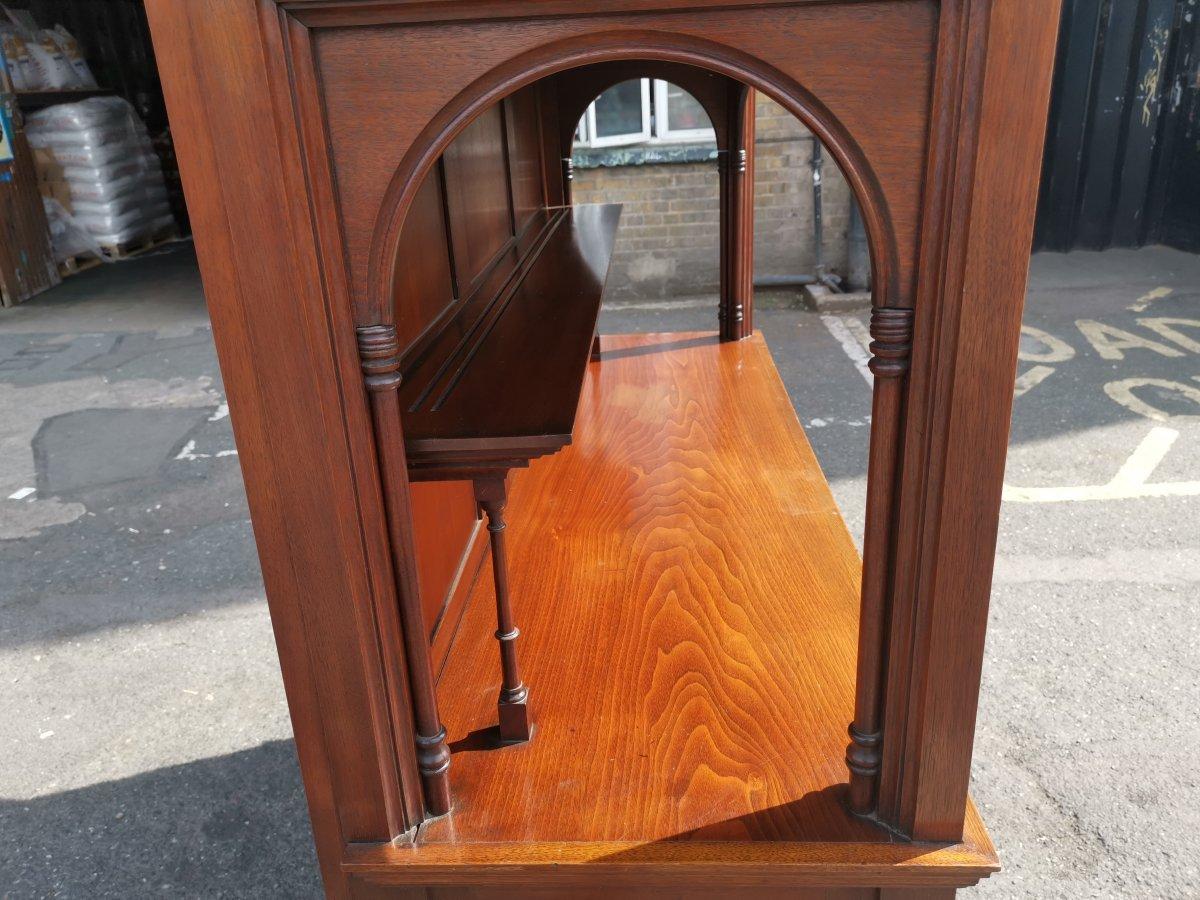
<point>146,743</point>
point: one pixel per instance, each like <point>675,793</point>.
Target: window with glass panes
<point>643,111</point>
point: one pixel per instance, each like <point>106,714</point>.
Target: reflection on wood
<point>689,601</point>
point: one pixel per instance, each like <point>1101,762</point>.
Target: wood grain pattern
<point>471,564</point>
<point>509,387</point>
<point>423,285</point>
<point>303,131</point>
<point>444,523</point>
<point>362,889</point>
<point>993,88</point>
<point>683,866</point>
<point>523,131</point>
<point>690,615</point>
<point>477,196</point>
<point>891,330</point>
<point>304,440</point>
<point>495,164</point>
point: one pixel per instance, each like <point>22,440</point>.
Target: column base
<point>516,725</point>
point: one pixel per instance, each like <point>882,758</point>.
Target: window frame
<point>629,137</point>
<point>662,119</point>
<point>655,123</point>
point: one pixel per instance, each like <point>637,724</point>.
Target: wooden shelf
<point>32,100</point>
<point>688,602</point>
<point>501,380</point>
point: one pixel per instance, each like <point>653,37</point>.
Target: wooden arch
<point>655,47</point>
<point>675,56</point>
<point>576,94</point>
<point>729,105</point>
<point>297,187</point>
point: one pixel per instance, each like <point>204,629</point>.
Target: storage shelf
<point>687,595</point>
<point>501,380</point>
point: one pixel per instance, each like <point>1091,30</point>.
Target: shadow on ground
<point>229,826</point>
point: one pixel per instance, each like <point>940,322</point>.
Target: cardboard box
<point>57,190</point>
<point>47,165</point>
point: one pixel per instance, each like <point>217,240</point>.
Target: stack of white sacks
<point>101,151</point>
<point>46,59</point>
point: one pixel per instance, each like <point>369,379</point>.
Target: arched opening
<point>641,52</point>
<point>488,250</point>
<point>650,145</point>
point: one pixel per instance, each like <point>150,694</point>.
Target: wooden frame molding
<point>298,188</point>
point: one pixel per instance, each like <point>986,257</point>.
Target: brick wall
<point>668,245</point>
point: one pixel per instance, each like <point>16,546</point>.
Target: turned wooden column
<point>379,351</point>
<point>735,167</point>
<point>515,727</point>
<point>891,329</point>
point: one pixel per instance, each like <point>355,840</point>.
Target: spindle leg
<point>491,494</point>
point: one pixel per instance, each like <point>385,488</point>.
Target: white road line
<point>843,331</point>
<point>1129,483</point>
<point>1145,459</point>
<point>1031,379</point>
<point>189,453</point>
<point>1145,300</point>
<point>22,493</point>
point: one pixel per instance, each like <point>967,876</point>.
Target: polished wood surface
<point>506,390</point>
<point>991,94</point>
<point>736,172</point>
<point>305,130</point>
<point>461,241</point>
<point>478,195</point>
<point>444,523</point>
<point>423,285</point>
<point>648,870</point>
<point>689,620</point>
<point>445,628</point>
<point>876,127</point>
<point>365,891</point>
<point>891,330</point>
<point>523,119</point>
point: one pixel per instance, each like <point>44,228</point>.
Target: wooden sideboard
<point>403,299</point>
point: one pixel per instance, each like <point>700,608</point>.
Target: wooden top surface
<point>687,595</point>
<point>512,376</point>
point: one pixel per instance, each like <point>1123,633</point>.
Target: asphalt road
<point>147,748</point>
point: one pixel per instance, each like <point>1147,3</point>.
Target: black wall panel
<point>1118,140</point>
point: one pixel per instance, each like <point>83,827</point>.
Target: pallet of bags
<point>98,153</point>
<point>41,59</point>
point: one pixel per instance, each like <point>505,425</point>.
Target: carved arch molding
<point>863,76</point>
